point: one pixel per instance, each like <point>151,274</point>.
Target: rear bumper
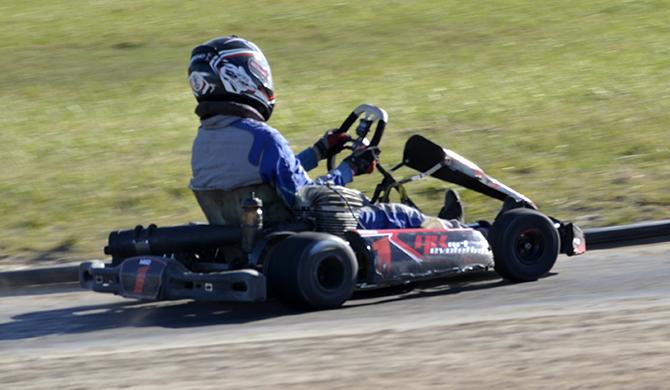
<point>159,278</point>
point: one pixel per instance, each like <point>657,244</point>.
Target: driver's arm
<point>331,143</point>
<point>308,159</point>
<point>280,167</point>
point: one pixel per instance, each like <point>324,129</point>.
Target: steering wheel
<point>368,115</point>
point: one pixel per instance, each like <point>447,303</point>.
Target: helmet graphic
<point>231,68</point>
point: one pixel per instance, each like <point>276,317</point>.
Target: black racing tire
<point>311,270</point>
<point>525,245</point>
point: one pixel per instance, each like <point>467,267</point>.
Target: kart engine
<point>332,209</point>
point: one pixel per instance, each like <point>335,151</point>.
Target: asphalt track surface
<point>599,320</point>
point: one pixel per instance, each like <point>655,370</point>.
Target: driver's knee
<point>439,223</point>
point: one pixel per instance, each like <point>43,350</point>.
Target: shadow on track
<point>452,285</point>
<point>189,314</point>
<point>38,290</point>
<point>168,314</point>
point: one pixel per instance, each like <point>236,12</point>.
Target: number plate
<point>142,277</point>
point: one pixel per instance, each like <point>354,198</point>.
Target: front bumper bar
<point>572,238</point>
<point>160,278</point>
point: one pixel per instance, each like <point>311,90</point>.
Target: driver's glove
<point>330,144</point>
<point>364,160</point>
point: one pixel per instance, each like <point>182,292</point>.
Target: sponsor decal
<point>462,247</point>
<point>145,261</point>
<point>438,245</point>
<point>420,246</point>
<point>404,252</point>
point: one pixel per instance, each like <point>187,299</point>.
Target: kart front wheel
<point>525,244</point>
<point>312,270</point>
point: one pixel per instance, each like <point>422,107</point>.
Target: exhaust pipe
<point>153,240</point>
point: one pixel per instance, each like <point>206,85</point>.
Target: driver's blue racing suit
<point>231,152</point>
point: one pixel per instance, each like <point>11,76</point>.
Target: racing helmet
<point>231,68</point>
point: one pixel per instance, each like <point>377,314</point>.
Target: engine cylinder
<point>332,209</point>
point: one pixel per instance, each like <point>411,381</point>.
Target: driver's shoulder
<point>261,130</point>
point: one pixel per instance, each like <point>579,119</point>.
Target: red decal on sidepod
<point>139,279</point>
<point>383,249</point>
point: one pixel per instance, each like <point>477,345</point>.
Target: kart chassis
<point>181,262</point>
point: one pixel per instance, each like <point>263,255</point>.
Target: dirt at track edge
<point>625,347</point>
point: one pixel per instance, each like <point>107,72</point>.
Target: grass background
<point>568,102</point>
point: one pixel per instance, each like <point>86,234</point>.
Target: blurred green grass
<point>567,102</point>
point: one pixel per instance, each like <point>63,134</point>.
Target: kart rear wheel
<point>312,270</point>
<point>525,244</point>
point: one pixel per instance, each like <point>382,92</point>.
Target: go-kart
<point>321,257</point>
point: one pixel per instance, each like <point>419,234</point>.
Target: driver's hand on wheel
<point>363,161</point>
<point>330,144</point>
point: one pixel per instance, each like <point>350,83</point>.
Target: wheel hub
<point>330,273</point>
<point>529,246</point>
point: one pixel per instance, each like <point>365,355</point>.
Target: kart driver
<point>236,152</point>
